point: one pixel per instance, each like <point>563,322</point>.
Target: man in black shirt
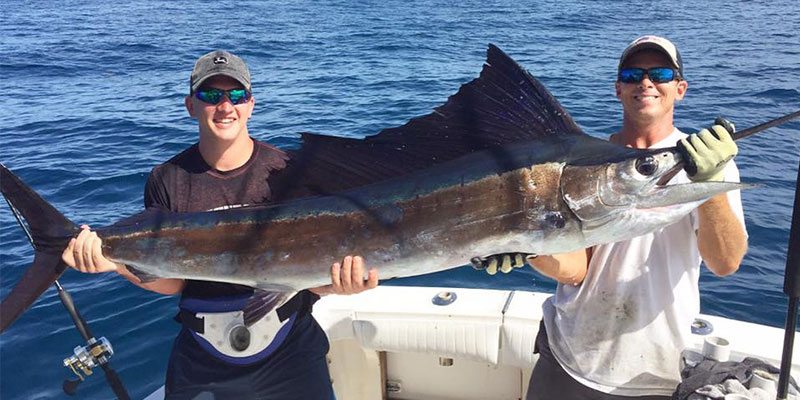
<point>227,168</point>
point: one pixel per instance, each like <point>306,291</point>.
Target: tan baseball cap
<point>656,43</point>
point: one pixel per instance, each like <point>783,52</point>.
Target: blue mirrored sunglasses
<point>656,75</point>
<point>215,96</point>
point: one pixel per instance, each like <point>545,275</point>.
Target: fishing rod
<point>766,125</point>
<point>791,286</point>
<point>97,352</point>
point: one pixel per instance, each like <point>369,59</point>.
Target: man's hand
<point>347,277</point>
<point>505,262</point>
<point>709,151</point>
<point>85,255</point>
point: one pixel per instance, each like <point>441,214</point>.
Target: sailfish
<point>500,167</point>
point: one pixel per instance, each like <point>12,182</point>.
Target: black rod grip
<point>791,281</point>
<point>116,384</point>
<point>80,324</point>
<point>788,345</point>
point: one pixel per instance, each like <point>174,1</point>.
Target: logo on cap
<point>648,39</point>
<point>220,60</point>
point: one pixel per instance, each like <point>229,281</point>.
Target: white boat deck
<point>395,343</point>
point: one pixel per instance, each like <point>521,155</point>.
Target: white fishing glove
<point>504,262</point>
<point>708,151</point>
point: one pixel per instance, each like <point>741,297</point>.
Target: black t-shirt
<point>186,183</point>
<point>297,369</point>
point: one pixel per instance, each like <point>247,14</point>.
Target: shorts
<point>549,381</point>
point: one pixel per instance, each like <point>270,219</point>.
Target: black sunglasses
<point>215,96</point>
<point>656,75</point>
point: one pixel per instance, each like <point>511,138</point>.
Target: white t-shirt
<point>622,330</point>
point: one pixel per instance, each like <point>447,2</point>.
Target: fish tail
<point>50,232</point>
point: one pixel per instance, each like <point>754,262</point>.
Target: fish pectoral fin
<point>285,303</point>
<point>504,262</point>
<point>262,303</point>
<point>144,277</point>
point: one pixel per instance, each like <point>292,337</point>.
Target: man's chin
<point>224,135</point>
<point>646,112</point>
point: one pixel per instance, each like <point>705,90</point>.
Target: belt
<point>225,334</point>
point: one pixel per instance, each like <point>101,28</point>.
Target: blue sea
<point>94,99</point>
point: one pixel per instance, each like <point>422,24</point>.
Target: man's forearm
<point>721,237</point>
<point>566,268</point>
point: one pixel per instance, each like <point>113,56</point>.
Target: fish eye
<point>646,165</point>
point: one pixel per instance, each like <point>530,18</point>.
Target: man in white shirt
<point>622,311</point>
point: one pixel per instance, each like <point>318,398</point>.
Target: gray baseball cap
<point>655,43</point>
<point>219,62</point>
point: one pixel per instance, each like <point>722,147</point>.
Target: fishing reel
<point>84,359</point>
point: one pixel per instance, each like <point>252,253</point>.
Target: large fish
<point>500,167</point>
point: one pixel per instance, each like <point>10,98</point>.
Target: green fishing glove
<point>708,151</point>
<point>505,262</point>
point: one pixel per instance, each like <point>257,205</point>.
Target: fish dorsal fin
<point>504,105</point>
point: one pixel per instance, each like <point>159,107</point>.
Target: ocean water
<point>94,99</point>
